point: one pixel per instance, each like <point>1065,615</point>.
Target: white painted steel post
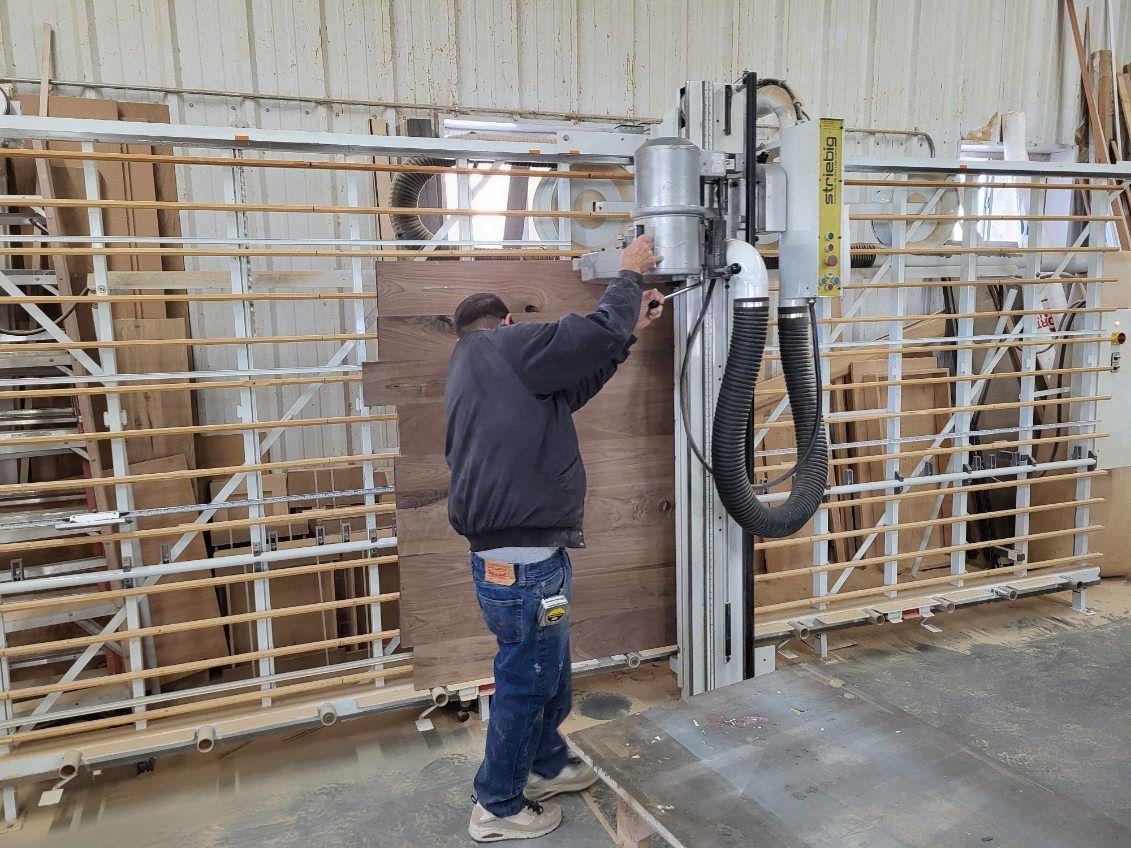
<point>1085,385</point>
<point>248,414</point>
<point>894,394</point>
<point>965,393</point>
<point>11,809</point>
<point>137,610</point>
<point>821,519</point>
<point>562,190</point>
<point>463,194</point>
<point>357,281</point>
<point>1029,304</point>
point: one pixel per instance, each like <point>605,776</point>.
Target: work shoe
<point>532,820</point>
<point>573,778</point>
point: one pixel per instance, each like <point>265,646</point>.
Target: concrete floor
<point>1032,683</point>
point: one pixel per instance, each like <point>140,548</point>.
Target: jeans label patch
<point>499,573</point>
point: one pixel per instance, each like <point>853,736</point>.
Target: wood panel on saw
<point>624,581</point>
<point>929,395</point>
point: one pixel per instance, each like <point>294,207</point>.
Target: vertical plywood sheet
<point>156,409</point>
<point>187,604</point>
<point>625,579</point>
<point>924,397</point>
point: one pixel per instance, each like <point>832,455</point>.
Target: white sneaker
<point>531,821</point>
<point>573,778</point>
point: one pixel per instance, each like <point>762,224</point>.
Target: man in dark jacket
<point>517,494</point>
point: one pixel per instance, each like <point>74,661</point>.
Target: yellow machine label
<point>829,269</point>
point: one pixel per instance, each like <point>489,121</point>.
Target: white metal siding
<point>944,66</point>
<point>938,65</point>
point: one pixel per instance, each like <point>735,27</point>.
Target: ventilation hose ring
<point>405,192</point>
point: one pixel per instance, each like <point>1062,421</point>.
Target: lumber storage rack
<point>150,605</point>
<point>273,332</point>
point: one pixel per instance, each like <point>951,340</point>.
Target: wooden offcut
<point>624,580</point>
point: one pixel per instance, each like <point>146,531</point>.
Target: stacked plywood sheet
<point>919,396</point>
<point>625,579</point>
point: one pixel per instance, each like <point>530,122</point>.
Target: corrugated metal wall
<point>944,66</point>
<point>938,65</point>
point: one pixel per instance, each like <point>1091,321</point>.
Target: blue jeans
<point>532,681</point>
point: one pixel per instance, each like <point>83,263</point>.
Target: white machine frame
<point>712,591</point>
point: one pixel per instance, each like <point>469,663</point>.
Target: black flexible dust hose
<point>734,408</point>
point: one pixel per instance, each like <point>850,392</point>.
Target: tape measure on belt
<point>553,610</point>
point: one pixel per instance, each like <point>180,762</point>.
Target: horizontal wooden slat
<point>969,579</point>
<point>356,253</point>
<point>277,692</point>
<point>305,209</point>
<point>33,347</point>
<point>910,555</point>
<point>273,572</point>
<point>196,624</point>
<point>311,165</point>
<point>974,184</point>
<point>179,529</point>
<point>67,438</point>
<point>157,388</point>
<point>911,525</point>
<point>79,484</point>
<point>23,693</point>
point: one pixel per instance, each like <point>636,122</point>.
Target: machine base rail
<point>924,606</point>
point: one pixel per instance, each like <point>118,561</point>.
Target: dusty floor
<point>377,782</point>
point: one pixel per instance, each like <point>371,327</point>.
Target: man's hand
<point>639,256</point>
<point>648,313</point>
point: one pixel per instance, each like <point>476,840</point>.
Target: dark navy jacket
<point>517,476</point>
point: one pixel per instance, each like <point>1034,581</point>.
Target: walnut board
<point>624,581</point>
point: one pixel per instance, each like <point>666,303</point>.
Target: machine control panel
<point>830,268</point>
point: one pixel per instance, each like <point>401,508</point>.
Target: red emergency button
<point>830,260</point>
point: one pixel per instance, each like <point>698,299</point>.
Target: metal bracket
<point>924,614</point>
<point>91,520</point>
<point>17,570</point>
<point>53,796</point>
<point>423,723</point>
<point>1080,602</point>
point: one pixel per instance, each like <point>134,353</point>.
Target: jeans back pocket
<point>503,617</point>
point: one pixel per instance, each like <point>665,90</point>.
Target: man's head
<point>483,311</point>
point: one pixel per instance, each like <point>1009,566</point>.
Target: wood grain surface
<point>624,580</point>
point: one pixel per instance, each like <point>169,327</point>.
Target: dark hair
<point>482,311</point>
